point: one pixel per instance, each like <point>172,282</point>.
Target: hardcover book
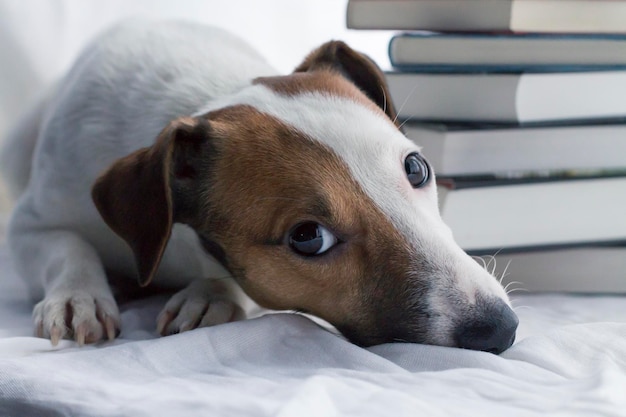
<point>548,16</point>
<point>510,98</point>
<point>462,150</point>
<point>490,216</point>
<point>429,52</point>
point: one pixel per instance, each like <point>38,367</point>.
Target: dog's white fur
<point>59,242</point>
<point>62,246</point>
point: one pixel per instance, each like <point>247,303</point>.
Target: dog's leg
<point>77,299</point>
<point>205,302</point>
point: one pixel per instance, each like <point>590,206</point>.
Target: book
<point>429,52</point>
<point>510,98</point>
<point>548,16</point>
<point>593,268</point>
<point>491,215</point>
<point>456,150</point>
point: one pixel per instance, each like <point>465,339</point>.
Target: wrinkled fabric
<point>286,365</point>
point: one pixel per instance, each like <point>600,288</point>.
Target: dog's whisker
<point>405,122</point>
<point>506,287</point>
<point>481,260</point>
<point>495,264</point>
<point>519,289</point>
<point>492,259</point>
<point>404,104</point>
<point>508,291</point>
<point>506,268</point>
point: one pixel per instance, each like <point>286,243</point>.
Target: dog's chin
<point>365,341</point>
<point>492,331</point>
<point>375,337</point>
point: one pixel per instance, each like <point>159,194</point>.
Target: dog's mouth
<point>488,326</point>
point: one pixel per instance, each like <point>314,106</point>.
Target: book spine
<point>493,180</point>
<point>402,60</point>
<point>550,247</point>
<point>498,69</point>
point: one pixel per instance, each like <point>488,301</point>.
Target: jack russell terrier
<point>300,187</point>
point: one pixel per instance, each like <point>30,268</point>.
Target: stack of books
<point>520,105</point>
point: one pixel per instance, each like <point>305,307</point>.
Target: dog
<point>172,152</point>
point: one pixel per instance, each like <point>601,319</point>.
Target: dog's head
<point>306,190</point>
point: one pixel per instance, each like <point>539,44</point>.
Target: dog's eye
<point>417,170</point>
<point>311,239</point>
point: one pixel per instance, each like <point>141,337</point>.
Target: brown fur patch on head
<point>271,177</point>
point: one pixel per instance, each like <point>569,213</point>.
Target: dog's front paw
<point>203,303</point>
<point>78,315</point>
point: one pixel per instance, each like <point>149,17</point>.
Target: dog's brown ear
<point>357,67</point>
<point>135,195</point>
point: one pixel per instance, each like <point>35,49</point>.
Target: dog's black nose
<point>492,329</point>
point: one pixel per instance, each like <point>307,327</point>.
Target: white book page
<point>575,211</point>
<point>599,16</point>
<point>543,97</point>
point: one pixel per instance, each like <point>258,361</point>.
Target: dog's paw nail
<point>110,328</point>
<point>78,315</point>
<point>80,334</point>
<point>55,335</point>
<point>185,326</point>
<point>39,329</point>
<point>164,319</point>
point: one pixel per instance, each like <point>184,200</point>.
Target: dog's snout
<point>492,330</point>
